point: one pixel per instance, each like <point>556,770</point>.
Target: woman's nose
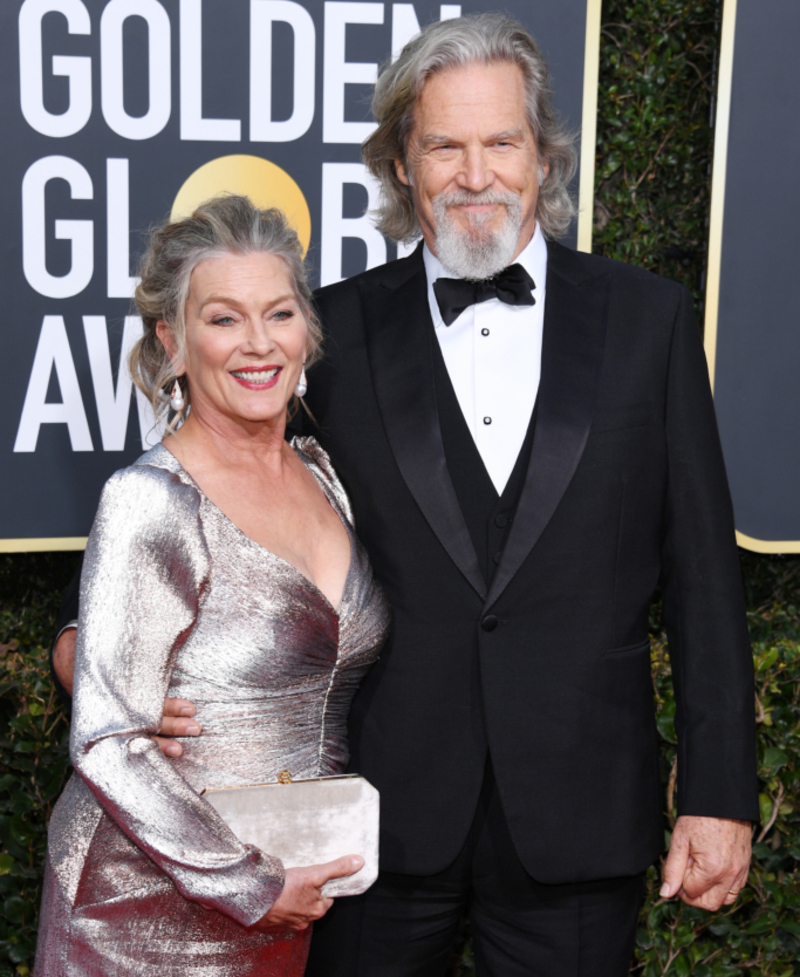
<point>259,337</point>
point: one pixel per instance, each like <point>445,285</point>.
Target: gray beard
<point>476,254</point>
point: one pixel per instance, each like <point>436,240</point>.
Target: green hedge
<point>654,153</point>
<point>34,736</point>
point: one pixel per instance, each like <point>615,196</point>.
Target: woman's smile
<point>257,377</point>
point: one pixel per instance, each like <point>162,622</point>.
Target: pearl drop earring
<point>176,401</point>
<point>301,387</point>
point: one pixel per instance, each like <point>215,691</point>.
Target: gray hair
<point>227,224</point>
<point>486,39</point>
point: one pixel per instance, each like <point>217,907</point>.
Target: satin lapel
<point>399,345</point>
<point>572,358</point>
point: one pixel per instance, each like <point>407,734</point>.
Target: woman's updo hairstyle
<point>221,226</point>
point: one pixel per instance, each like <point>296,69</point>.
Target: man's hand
<point>64,658</point>
<point>708,861</point>
<point>178,713</point>
<point>176,721</point>
<point>301,901</point>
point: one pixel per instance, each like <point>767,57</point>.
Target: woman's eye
<point>223,320</point>
<point>283,314</point>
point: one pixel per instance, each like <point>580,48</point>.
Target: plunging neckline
<point>336,611</point>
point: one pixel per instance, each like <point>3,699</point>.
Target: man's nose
<point>475,173</point>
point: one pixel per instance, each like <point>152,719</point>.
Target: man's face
<point>473,168</point>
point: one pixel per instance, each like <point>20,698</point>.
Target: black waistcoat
<point>488,515</point>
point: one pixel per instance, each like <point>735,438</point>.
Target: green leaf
<point>682,965</point>
<point>14,909</point>
<point>763,925</point>
<point>6,863</point>
<point>774,759</point>
<point>666,722</point>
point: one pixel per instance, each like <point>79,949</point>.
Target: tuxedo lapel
<point>572,357</point>
<point>399,341</point>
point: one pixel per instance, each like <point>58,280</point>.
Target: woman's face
<point>245,338</point>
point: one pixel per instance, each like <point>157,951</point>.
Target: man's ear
<point>544,170</point>
<point>402,172</point>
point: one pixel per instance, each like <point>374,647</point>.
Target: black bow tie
<point>513,286</point>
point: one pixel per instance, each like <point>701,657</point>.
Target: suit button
<point>489,623</point>
<point>497,558</point>
<point>502,520</point>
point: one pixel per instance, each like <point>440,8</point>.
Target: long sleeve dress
<point>143,878</point>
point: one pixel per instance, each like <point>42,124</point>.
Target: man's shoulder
<point>390,275</point>
<point>579,267</point>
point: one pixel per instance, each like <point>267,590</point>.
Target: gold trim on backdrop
<point>716,219</point>
<point>42,545</point>
<point>767,545</point>
<point>591,73</point>
<point>719,174</point>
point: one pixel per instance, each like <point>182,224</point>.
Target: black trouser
<point>406,926</point>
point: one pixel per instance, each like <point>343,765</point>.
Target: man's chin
<point>478,229</point>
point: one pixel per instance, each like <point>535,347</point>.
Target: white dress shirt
<point>493,353</point>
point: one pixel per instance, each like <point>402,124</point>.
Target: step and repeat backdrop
<point>752,330</point>
<point>117,114</point>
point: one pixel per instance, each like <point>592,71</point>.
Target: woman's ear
<point>164,333</point>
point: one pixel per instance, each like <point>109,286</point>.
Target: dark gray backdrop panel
<point>756,388</point>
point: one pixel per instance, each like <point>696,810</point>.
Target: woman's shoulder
<point>150,489</point>
<point>312,453</point>
<point>147,526</point>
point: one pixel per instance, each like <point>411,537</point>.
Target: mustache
<point>467,198</point>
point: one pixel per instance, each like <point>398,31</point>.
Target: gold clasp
<point>284,777</point>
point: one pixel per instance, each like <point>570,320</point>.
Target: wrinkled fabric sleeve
<point>145,573</point>
<point>704,607</point>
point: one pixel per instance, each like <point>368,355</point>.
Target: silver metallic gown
<point>143,877</point>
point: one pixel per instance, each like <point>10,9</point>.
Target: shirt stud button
<point>484,331</point>
<point>487,420</point>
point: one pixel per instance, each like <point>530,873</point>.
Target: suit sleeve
<point>704,608</point>
<point>145,573</point>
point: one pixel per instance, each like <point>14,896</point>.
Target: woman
<point>222,567</point>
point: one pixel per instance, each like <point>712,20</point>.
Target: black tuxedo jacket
<point>547,669</point>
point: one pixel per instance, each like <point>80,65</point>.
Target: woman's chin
<point>245,415</point>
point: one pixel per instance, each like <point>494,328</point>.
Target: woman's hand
<point>301,901</point>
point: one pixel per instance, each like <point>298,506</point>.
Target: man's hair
<point>482,39</point>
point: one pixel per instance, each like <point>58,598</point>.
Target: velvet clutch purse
<point>308,822</point>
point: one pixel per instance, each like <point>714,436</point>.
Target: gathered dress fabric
<point>143,877</point>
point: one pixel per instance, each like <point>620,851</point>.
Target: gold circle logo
<point>266,184</point>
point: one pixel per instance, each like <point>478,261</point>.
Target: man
<point>528,439</point>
